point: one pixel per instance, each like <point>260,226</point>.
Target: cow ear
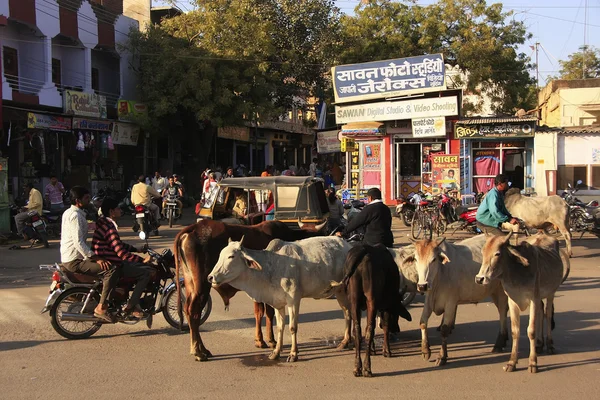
<point>518,256</point>
<point>252,263</point>
<point>229,240</point>
<point>444,258</point>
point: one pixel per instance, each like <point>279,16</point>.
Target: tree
<point>583,64</point>
<point>481,40</point>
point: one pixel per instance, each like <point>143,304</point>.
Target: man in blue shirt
<point>492,212</point>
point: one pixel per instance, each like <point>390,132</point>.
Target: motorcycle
<point>405,210</point>
<point>170,211</point>
<point>74,296</point>
<point>35,227</point>
<point>53,220</point>
<point>583,217</point>
<point>144,221</point>
<point>125,204</point>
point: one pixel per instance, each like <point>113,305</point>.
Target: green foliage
<point>583,64</point>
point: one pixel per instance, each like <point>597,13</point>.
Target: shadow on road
<point>24,344</point>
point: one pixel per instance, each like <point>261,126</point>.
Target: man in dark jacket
<point>376,218</point>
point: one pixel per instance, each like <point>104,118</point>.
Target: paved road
<point>134,362</point>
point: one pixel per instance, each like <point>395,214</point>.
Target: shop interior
<point>413,165</point>
<point>491,158</point>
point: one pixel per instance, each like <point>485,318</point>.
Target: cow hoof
<point>497,350</point>
<point>207,353</point>
<point>387,354</point>
<point>551,350</point>
<point>260,344</point>
<point>441,362</point>
<point>509,368</point>
<point>272,344</point>
<point>426,354</point>
<point>274,356</point>
<point>343,346</point>
<point>533,369</point>
<point>292,358</point>
<point>357,372</point>
<point>202,357</point>
<point>367,373</point>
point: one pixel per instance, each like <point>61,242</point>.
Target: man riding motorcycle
<point>172,193</point>
<point>492,212</point>
<point>141,194</point>
<point>35,203</point>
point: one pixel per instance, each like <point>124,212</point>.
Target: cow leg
<point>294,310</point>
<point>270,316</point>
<point>567,235</point>
<point>387,320</point>
<point>356,317</point>
<point>533,317</point>
<point>280,315</point>
<point>549,311</point>
<point>197,306</point>
<point>345,305</point>
<point>370,336</point>
<point>259,311</point>
<point>539,328</point>
<point>515,315</point>
<point>447,324</point>
<point>501,301</point>
<point>425,315</point>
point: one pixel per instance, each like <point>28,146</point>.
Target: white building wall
<point>128,82</point>
<point>571,101</point>
<point>545,151</point>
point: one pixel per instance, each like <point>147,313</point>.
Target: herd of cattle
<point>277,267</point>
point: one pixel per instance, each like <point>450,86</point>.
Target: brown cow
<point>372,282</point>
<point>197,248</point>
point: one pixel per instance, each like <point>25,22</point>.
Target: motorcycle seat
<point>76,277</point>
<point>471,208</point>
<point>592,204</point>
<point>49,213</point>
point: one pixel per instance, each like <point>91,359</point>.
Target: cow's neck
<point>255,284</point>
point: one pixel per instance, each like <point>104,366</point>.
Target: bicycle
<point>422,225</point>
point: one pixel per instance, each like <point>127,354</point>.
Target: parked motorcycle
<point>73,297</point>
<point>53,220</point>
<point>145,221</point>
<point>583,217</point>
<point>405,210</point>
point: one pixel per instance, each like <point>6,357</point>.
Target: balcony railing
<point>24,85</point>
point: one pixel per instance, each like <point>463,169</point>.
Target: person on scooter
<point>336,210</point>
<point>141,194</point>
<point>376,217</point>
<point>76,256</point>
<point>172,193</point>
<point>492,212</point>
<point>35,203</point>
<point>108,245</point>
<point>54,194</point>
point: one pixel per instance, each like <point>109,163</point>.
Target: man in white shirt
<point>75,254</point>
<point>159,183</point>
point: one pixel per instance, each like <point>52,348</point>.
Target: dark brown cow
<point>197,248</point>
<point>373,283</point>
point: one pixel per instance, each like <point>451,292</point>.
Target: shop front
<point>329,149</point>
<point>492,146</point>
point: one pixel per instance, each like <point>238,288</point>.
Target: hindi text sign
<point>429,127</point>
<point>445,172</point>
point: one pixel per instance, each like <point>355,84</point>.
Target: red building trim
<point>106,34</point>
<point>25,98</point>
<point>68,22</point>
<point>22,11</point>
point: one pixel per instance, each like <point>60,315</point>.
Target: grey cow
<point>529,272</point>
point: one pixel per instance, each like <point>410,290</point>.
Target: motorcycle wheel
<point>72,301</point>
<point>44,238</point>
<point>576,221</point>
<point>407,217</point>
<point>170,310</point>
<point>171,212</point>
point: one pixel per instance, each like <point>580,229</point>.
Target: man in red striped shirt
<point>108,245</point>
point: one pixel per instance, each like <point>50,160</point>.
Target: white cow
<point>283,274</point>
<point>446,272</point>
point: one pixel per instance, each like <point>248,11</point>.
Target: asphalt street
<point>123,362</point>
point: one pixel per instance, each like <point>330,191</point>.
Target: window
<point>571,174</point>
<point>287,196</point>
<point>11,65</point>
<point>56,72</point>
<point>95,79</point>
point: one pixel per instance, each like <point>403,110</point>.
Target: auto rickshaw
<point>297,201</point>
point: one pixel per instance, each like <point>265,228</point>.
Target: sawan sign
<point>397,110</point>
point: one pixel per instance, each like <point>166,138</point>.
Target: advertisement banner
<point>93,125</point>
<point>445,172</point>
<point>429,127</point>
<point>491,131</point>
<point>389,78</point>
<point>239,133</point>
<point>125,134</point>
<point>128,110</point>
<point>328,142</point>
<point>393,110</point>
<point>371,156</point>
<point>51,122</point>
<point>85,104</point>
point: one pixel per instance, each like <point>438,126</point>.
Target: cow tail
<point>567,263</point>
<point>178,251</point>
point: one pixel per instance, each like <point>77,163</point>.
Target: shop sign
<point>128,110</point>
<point>445,170</point>
<point>239,133</point>
<point>354,169</point>
<point>328,142</point>
<point>92,125</point>
<point>389,78</point>
<point>51,122</point>
<point>371,156</point>
<point>491,131</point>
<point>393,110</point>
<point>125,134</point>
<point>348,195</point>
<point>429,127</point>
<point>85,104</point>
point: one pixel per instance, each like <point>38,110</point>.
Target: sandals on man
<point>135,312</point>
<point>105,317</point>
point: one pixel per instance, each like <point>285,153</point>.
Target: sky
<point>557,25</point>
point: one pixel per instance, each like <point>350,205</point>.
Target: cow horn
<point>412,240</point>
<point>320,226</point>
<point>510,233</point>
<point>300,223</point>
<point>242,240</point>
<point>440,240</point>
